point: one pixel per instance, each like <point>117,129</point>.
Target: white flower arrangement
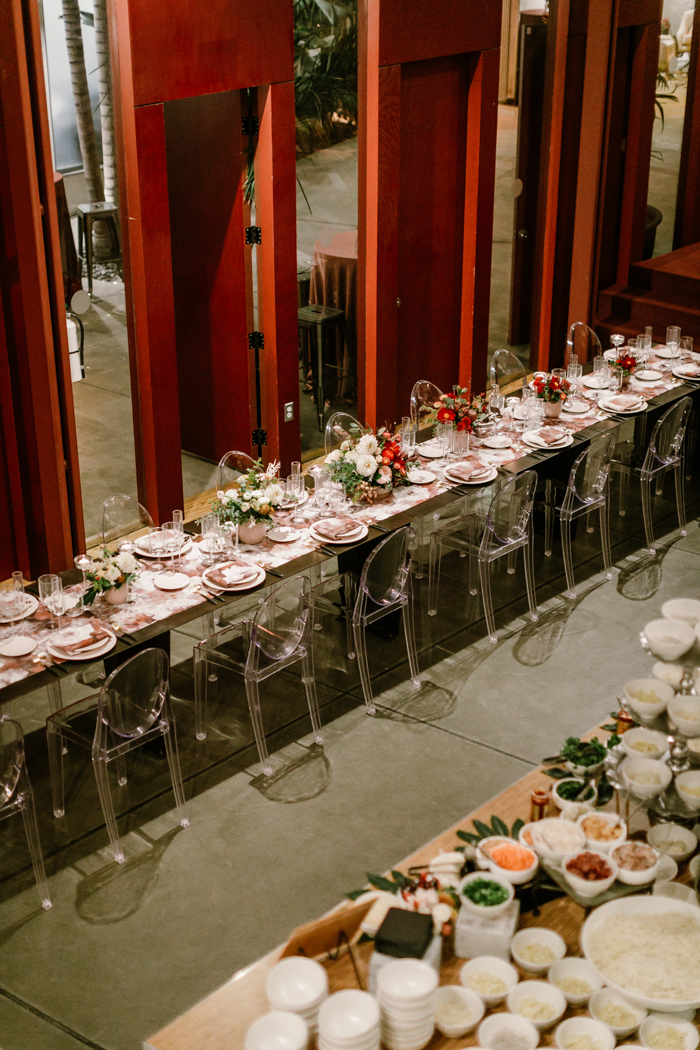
<point>253,496</point>
<point>111,571</point>
<point>369,467</point>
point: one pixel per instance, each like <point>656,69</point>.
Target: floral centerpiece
<point>626,364</point>
<point>369,467</point>
<point>110,575</point>
<point>553,390</point>
<point>250,501</point>
<point>461,411</point>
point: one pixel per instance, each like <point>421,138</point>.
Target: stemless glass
<point>51,597</point>
<point>601,373</point>
<point>84,563</point>
<point>673,337</point>
<point>173,542</point>
<point>615,380</point>
<point>323,495</point>
<point>296,466</point>
<point>211,538</point>
<point>648,337</point>
<point>157,545</point>
<point>686,347</point>
<point>12,601</point>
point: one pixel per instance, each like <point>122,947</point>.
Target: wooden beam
<point>687,224</point>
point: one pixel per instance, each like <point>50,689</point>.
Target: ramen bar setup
<point>349,524</point>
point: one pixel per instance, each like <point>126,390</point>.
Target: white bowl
<point>545,851</point>
<point>603,845</point>
<point>662,835</point>
<point>667,869</point>
<point>663,690</point>
<point>525,831</point>
<point>694,867</point>
<point>348,1015</point>
<point>576,1026</point>
<point>686,781</point>
<point>493,1024</point>
<point>537,935</point>
<point>472,1002</point>
<point>682,706</point>
<point>582,970</point>
<point>659,740</point>
<point>607,995</point>
<point>676,891</point>
<point>669,639</point>
<point>636,878</point>
<point>672,673</point>
<point>279,1030</point>
<point>582,887</point>
<point>516,877</point>
<point>297,984</point>
<point>560,803</point>
<point>490,964</point>
<point>632,766</point>
<point>685,609</point>
<point>687,1030</point>
<point>543,992</point>
<point>486,910</point>
<point>406,980</point>
<point>584,771</point>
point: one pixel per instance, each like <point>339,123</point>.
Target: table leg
<point>320,399</point>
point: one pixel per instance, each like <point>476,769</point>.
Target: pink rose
<point>384,475</point>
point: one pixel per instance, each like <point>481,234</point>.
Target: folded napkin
<point>77,638</point>
<point>689,370</point>
<point>233,572</point>
<point>622,402</point>
<point>468,468</point>
<point>335,528</point>
<point>551,435</point>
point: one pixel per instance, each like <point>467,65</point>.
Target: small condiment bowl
<point>662,835</point>
<point>560,802</point>
<point>278,1030</point>
<point>486,910</point>
<point>494,966</point>
<point>543,992</point>
<point>473,1003</point>
<point>676,891</point>
<point>489,1028</point>
<point>515,877</point>
<point>694,867</point>
<point>607,995</point>
<point>685,1028</point>
<point>686,784</point>
<point>685,609</point>
<point>576,1026</point>
<point>296,984</point>
<point>643,709</point>
<point>580,969</point>
<point>524,834</point>
<point>651,736</point>
<point>679,708</point>
<point>632,766</point>
<point>586,887</point>
<point>545,851</point>
<point>636,878</point>
<point>603,845</point>
<point>574,810</point>
<point>537,935</point>
<point>584,771</point>
<point>668,639</point>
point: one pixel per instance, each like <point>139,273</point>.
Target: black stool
<point>88,214</point>
<point>316,319</point>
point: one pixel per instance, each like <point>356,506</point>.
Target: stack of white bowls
<point>406,992</point>
<point>349,1021</point>
<point>300,986</point>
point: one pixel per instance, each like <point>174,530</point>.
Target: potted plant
<point>553,390</point>
<point>250,501</point>
<point>111,575</point>
<point>369,468</point>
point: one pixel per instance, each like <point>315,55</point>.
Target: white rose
<point>345,445</point>
<point>231,493</point>
<point>245,507</point>
<point>112,573</point>
<point>365,465</point>
<point>334,456</point>
<point>126,562</point>
<point>379,461</point>
<point>220,494</point>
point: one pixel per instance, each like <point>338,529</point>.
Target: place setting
<point>232,576</point>
<point>623,404</point>
<point>338,530</point>
<point>421,477</point>
<point>283,534</point>
<point>470,472</point>
<point>548,437</point>
<point>687,371</point>
<point>81,641</point>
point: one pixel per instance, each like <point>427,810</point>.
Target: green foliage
<point>325,66</point>
<point>485,831</point>
<point>583,752</point>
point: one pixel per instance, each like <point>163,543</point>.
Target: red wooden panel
<point>205,161</point>
<point>412,30</point>
<point>687,225</point>
<point>639,12</point>
<point>182,48</point>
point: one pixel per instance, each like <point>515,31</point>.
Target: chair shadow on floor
<point>539,641</point>
<point>7,932</point>
<point>641,579</point>
<point>304,778</point>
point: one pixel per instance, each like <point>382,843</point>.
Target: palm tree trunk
<point>104,73</point>
<point>81,99</point>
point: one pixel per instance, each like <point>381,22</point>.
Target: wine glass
<point>617,341</point>
<point>295,487</point>
<point>157,545</point>
<point>84,563</point>
<point>648,337</point>
<point>51,597</point>
<point>574,371</point>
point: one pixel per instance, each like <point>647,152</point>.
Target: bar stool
<point>88,214</point>
<point>318,319</point>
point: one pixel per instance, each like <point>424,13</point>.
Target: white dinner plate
<point>19,645</point>
<point>283,534</point>
<point>610,355</point>
<point>576,408</point>
<point>480,479</point>
<point>175,582</point>
<point>536,442</point>
<point>607,407</point>
<point>429,450</point>
<point>30,606</point>
<point>665,354</point>
<point>288,504</point>
<point>648,375</point>
<point>242,585</point>
<point>351,537</point>
<point>144,552</point>
<point>421,477</point>
<point>84,654</point>
<point>596,382</point>
<point>497,441</point>
<point>680,374</point>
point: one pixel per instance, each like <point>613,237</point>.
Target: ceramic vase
<point>251,532</point>
<point>552,409</point>
<point>117,595</point>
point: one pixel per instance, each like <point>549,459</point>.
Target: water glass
<point>12,600</point>
<point>211,538</point>
<point>51,597</point>
<point>574,371</point>
<point>648,337</point>
<point>323,495</point>
<point>173,541</point>
<point>157,544</point>
<point>295,487</point>
<point>673,336</point>
<point>408,436</point>
<point>295,466</point>
<point>602,375</point>
<point>84,563</point>
<point>686,347</point>
<point>336,496</point>
<point>615,380</point>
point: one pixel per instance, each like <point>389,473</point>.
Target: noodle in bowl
<point>648,950</point>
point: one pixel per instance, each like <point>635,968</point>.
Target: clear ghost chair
<point>121,516</point>
<point>650,464</point>
<point>16,796</point>
<point>132,708</point>
<point>585,491</point>
<point>384,587</point>
<point>423,398</point>
<point>508,373</point>
<point>274,640</point>
<point>340,427</point>
<point>583,342</point>
<point>507,527</point>
<point>231,467</point>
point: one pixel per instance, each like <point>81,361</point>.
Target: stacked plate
<point>623,404</point>
<point>349,1021</point>
<point>406,992</point>
<point>299,986</point>
<point>81,642</point>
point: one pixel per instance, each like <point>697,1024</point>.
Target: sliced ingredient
<point>512,858</point>
<point>485,892</point>
<point>600,829</point>
<point>634,856</point>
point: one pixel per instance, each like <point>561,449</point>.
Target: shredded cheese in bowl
<point>573,986</point>
<point>486,983</point>
<point>537,953</point>
<point>535,1009</point>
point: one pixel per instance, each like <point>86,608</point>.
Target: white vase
<point>553,408</point>
<point>117,595</point>
<point>252,532</point>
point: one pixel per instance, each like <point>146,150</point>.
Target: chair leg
<point>55,746</point>
<point>485,578</point>
<point>473,574</point>
<point>548,518</point>
<point>348,605</point>
<point>589,522</point>
<point>567,551</point>
<point>55,697</point>
<point>120,765</point>
<point>311,698</point>
<point>32,832</point>
<point>418,557</point>
<point>529,559</point>
<point>659,491</point>
<point>647,513</point>
<point>102,778</point>
<point>363,667</point>
<point>200,695</point>
<point>680,497</point>
<point>253,694</point>
<point>320,396</point>
<point>170,741</point>
<point>410,633</point>
<point>434,573</point>
<point>624,486</point>
<point>605,537</point>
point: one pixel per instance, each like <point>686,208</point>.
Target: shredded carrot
<point>514,858</point>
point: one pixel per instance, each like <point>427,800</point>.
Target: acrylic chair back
<point>589,473</point>
<point>667,436</point>
<point>385,571</point>
<point>280,622</point>
<point>11,758</point>
<point>583,342</point>
<point>510,511</point>
<point>231,467</point>
<point>423,398</point>
<point>507,371</point>
<point>131,700</point>
<point>122,515</point>
<point>340,427</point>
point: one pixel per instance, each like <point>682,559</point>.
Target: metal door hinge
<point>251,126</point>
<point>256,341</point>
<point>259,437</point>
<point>253,235</point>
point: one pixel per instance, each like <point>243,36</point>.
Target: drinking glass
<point>574,371</point>
<point>686,347</point>
<point>615,380</point>
<point>296,466</point>
<point>408,437</point>
<point>295,487</point>
<point>323,495</point>
<point>336,496</point>
<point>316,472</point>
<point>12,600</point>
<point>157,544</point>
<point>51,597</point>
<point>84,563</point>
<point>602,374</point>
<point>173,542</point>
<point>673,337</point>
<point>211,537</point>
<point>648,337</point>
